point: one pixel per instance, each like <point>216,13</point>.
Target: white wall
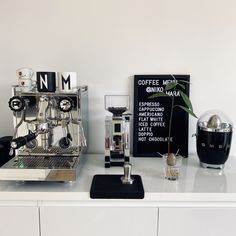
<point>108,41</point>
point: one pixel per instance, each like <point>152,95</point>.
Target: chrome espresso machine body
<point>49,132</point>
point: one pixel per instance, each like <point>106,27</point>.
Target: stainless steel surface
<point>215,121</point>
<point>42,108</point>
<point>40,169</point>
<point>38,162</point>
<point>224,127</point>
<point>51,152</point>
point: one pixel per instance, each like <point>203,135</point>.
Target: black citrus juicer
<point>213,139</point>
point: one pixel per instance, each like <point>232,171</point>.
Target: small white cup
<point>67,81</point>
<point>25,79</point>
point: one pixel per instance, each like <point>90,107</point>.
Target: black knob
<point>64,143</point>
<point>16,103</point>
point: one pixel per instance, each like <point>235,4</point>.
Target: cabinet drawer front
<point>105,221</point>
<point>21,220</point>
<point>197,221</point>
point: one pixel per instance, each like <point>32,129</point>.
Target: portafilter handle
<point>21,141</point>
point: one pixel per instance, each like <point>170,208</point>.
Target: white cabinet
<point>116,221</point>
<point>197,222</point>
<point>19,220</point>
<point>104,221</point>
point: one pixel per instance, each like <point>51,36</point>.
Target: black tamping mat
<point>111,187</point>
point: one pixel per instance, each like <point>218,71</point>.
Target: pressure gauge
<point>65,104</point>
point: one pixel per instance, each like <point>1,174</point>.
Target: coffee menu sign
<point>152,115</point>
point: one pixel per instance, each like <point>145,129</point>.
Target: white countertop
<point>195,187</point>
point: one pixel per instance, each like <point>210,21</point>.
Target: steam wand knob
<point>127,179</point>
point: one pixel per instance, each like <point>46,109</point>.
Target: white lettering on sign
<point>167,81</point>
<point>44,82</point>
<point>154,89</point>
<point>148,82</point>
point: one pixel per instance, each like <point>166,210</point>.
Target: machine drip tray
<point>40,168</point>
<point>111,187</point>
<point>51,162</point>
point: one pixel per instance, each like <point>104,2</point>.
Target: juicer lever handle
<point>21,141</point>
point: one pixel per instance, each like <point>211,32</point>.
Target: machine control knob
<point>127,179</point>
<point>65,104</point>
<point>16,103</point>
<point>64,143</point>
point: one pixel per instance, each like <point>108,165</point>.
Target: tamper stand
<point>117,186</point>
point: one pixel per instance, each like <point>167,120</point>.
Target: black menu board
<point>151,117</point>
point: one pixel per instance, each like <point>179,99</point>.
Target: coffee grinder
<point>117,153</point>
<point>117,131</point>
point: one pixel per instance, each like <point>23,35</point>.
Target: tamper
<point>127,179</point>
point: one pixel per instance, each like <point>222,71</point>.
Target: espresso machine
<point>49,128</point>
<point>117,131</point>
